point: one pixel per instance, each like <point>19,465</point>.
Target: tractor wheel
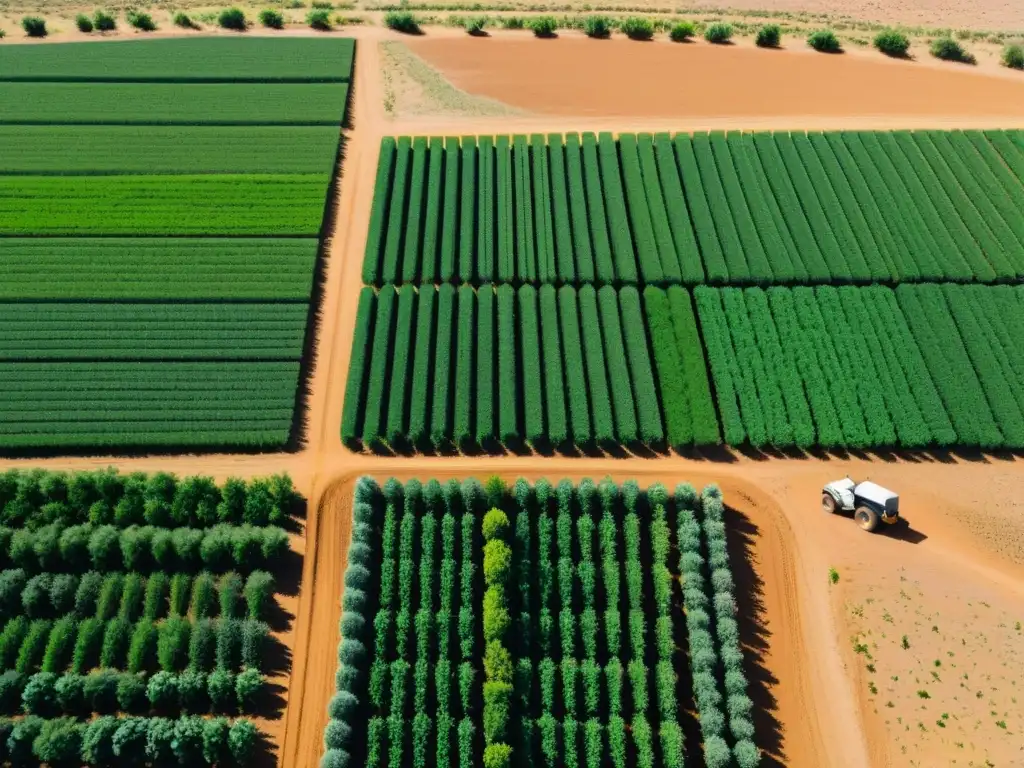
<point>866,518</point>
<point>828,504</point>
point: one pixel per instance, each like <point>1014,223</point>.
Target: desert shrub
<point>30,654</point>
<point>892,42</point>
<point>824,41</point>
<point>1013,56</point>
<point>232,18</point>
<point>254,638</point>
<point>181,591</point>
<point>142,650</point>
<point>682,31</point>
<point>110,596</point>
<point>402,21</point>
<point>247,688</point>
<point>319,20</point>
<point>40,695</point>
<point>230,513</point>
<point>60,645</point>
<point>948,49</point>
<point>769,36</point>
<point>202,651</point>
<point>637,28</point>
<point>104,22</point>
<point>141,21</point>
<point>116,638</point>
<point>100,689</point>
<point>717,33</point>
<point>162,691</point>
<point>544,26</point>
<point>599,27</point>
<point>34,26</point>
<point>192,692</point>
<point>259,593</point>
<point>83,22</point>
<point>229,644</point>
<point>98,741</point>
<point>184,21</point>
<point>35,597</point>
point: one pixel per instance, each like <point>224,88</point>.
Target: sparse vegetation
<point>34,26</point>
<point>271,18</point>
<point>544,26</point>
<point>184,21</point>
<point>718,33</point>
<point>319,19</point>
<point>824,41</point>
<point>140,21</point>
<point>83,22</point>
<point>1013,57</point>
<point>833,576</point>
<point>682,31</point>
<point>475,25</point>
<point>948,49</point>
<point>103,21</point>
<point>402,21</point>
<point>892,42</point>
<point>233,18</point>
<point>637,28</point>
<point>769,36</point>
<point>599,27</point>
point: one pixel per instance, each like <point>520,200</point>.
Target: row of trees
<point>133,596</point>
<point>37,497</point>
<point>187,741</point>
<point>171,645</point>
<point>82,547</point>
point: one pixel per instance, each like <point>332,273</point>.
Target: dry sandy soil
<point>834,683</point>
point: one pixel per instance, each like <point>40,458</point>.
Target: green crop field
<point>166,268</point>
<point>235,59</point>
<point>761,208</point>
<point>109,150</point>
<point>161,204</point>
<point>172,103</point>
<point>539,625</point>
<point>136,615</point>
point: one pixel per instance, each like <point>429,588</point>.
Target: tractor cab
<point>869,502</point>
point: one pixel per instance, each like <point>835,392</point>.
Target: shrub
<point>221,687</point>
<point>141,21</point>
<point>11,686</point>
<point>40,695</point>
<point>824,41</point>
<point>35,597</point>
<point>495,525</point>
<point>60,645</point>
<point>1013,56</point>
<point>162,691</point>
<point>59,742</point>
<point>62,593</point>
<point>544,26</point>
<point>137,547</point>
<point>247,688</point>
<point>259,593</point>
<point>402,21</point>
<point>131,693</point>
<point>242,740</point>
<point>320,20</point>
<point>130,740</point>
<point>105,548</point>
<point>142,651</point>
<point>132,595</point>
<point>192,695</point>
<point>215,741</point>
<point>173,644</point>
<point>497,756</point>
<point>718,33</point>
<point>116,637</point>
<point>275,544</point>
<point>231,510</point>
<point>599,27</point>
<point>229,642</point>
<point>98,741</point>
<point>188,741</point>
<point>110,597</point>
<point>34,26</point>
<point>11,639</point>
<point>232,18</point>
<point>202,652</point>
<point>682,31</point>
<point>637,28</point>
<point>204,596</point>
<point>12,585</point>
<point>155,602</point>
<point>184,21</point>
<point>159,738</point>
<point>769,36</point>
<point>19,743</point>
<point>70,690</point>
<point>104,21</point>
<point>83,22</point>
<point>33,646</point>
<point>254,637</point>
<point>181,590</point>
<point>892,42</point>
<point>230,594</point>
<point>948,49</point>
<point>187,544</point>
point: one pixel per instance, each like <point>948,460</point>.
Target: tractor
<point>870,503</point>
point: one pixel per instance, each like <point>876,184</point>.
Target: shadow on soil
<point>755,637</point>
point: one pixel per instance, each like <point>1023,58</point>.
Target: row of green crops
<point>129,268</point>
<point>141,620</point>
<point>122,159</point>
<point>203,59</point>
<point>595,640</point>
<point>440,367</point>
<point>861,367</point>
<point>736,208</point>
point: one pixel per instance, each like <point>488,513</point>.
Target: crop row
<point>252,204</point>
<point>140,403</point>
<point>445,367</point>
<point>49,331</point>
<point>122,268</point>
<point>733,208</point>
<point>571,618</point>
<point>859,367</point>
<point>202,59</point>
<point>109,150</point>
<point>172,104</point>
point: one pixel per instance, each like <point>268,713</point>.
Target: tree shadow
<point>741,534</point>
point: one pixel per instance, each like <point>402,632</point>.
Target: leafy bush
<point>1013,56</point>
<point>202,652</point>
<point>232,18</point>
<point>142,651</point>
<point>221,687</point>
<point>62,593</point>
<point>242,740</point>
<point>192,694</point>
<point>892,42</point>
<point>159,740</point>
<point>637,28</point>
<point>718,33</point>
<point>88,593</point>
<point>104,22</point>
<point>155,601</point>
<point>254,637</point>
<point>259,593</point>
<point>162,691</point>
<point>130,740</point>
<point>98,741</point>
<point>824,41</point>
<point>105,548</point>
<point>110,597</point>
<point>131,693</point>
<point>40,695</point>
<point>141,21</point>
<point>173,644</point>
<point>11,686</point>
<point>184,21</point>
<point>35,598</point>
<point>133,593</point>
<point>83,22</point>
<point>402,21</point>
<point>70,690</point>
<point>19,743</point>
<point>230,511</point>
<point>320,20</point>
<point>229,644</point>
<point>769,36</point>
<point>247,687</point>
<point>948,49</point>
<point>181,591</point>
<point>215,741</point>
<point>60,645</point>
<point>34,26</point>
<point>59,742</point>
<point>30,654</point>
<point>188,741</point>
<point>599,27</point>
<point>682,31</point>
<point>544,26</point>
<point>204,596</point>
<point>116,639</point>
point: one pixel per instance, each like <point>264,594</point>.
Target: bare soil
<point>959,560</point>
